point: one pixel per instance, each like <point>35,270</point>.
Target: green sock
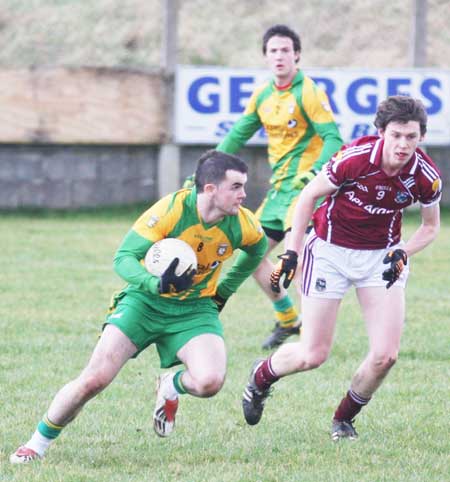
<point>177,382</point>
<point>285,312</point>
<point>49,429</point>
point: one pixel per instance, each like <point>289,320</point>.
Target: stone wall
<point>69,177</point>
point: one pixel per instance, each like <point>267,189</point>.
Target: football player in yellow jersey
<point>179,314</point>
<point>302,136</point>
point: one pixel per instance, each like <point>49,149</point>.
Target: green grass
<point>56,283</point>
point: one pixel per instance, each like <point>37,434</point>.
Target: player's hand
<point>219,301</point>
<point>189,182</point>
<point>286,266</point>
<point>170,282</point>
<point>303,178</point>
<point>397,259</point>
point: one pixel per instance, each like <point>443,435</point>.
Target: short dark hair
<point>282,31</point>
<point>213,165</point>
<point>401,108</point>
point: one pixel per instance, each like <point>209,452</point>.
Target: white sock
<point>39,443</point>
<point>168,388</point>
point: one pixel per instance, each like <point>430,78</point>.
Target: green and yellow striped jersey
<point>176,216</point>
<point>302,133</point>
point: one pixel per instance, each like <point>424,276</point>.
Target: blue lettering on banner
<point>352,93</point>
<point>223,128</point>
<point>211,100</point>
<point>361,129</point>
<point>435,102</point>
<point>237,94</point>
<point>393,86</point>
<point>193,95</point>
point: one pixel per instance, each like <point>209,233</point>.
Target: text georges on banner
<point>210,99</point>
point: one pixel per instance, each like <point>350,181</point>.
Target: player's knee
<point>210,384</point>
<point>313,359</point>
<point>93,384</point>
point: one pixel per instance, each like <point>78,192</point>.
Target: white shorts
<point>330,270</point>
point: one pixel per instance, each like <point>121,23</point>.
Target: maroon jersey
<point>366,210</point>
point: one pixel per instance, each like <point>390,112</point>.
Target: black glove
<point>286,266</point>
<point>397,259</point>
<point>219,301</point>
<point>304,178</point>
<point>171,283</point>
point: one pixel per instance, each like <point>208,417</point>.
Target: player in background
<point>356,240</point>
<point>177,313</point>
<point>302,136</point>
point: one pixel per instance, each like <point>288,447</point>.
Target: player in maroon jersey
<point>356,241</point>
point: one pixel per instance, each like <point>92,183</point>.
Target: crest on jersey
<point>326,106</point>
<point>292,123</point>
<point>222,249</point>
<point>401,197</point>
<point>436,186</point>
<point>321,284</point>
<point>152,221</point>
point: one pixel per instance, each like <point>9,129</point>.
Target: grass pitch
<point>55,286</point>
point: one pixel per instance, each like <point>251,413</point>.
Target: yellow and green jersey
<point>302,133</point>
<point>176,216</point>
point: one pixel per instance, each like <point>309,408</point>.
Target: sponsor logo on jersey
<point>205,239</point>
<point>292,123</point>
<point>152,221</point>
<point>362,187</point>
<point>321,284</point>
<point>222,249</point>
<point>401,197</point>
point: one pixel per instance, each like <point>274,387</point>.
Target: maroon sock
<point>265,376</point>
<point>350,406</point>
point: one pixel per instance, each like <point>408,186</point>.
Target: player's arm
<point>427,231</point>
<point>319,113</point>
<point>244,128</point>
<point>153,225</point>
<point>245,264</point>
<point>319,187</point>
<point>332,142</point>
<point>127,263</point>
<point>240,133</point>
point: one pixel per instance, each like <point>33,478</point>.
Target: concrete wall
<point>70,177</point>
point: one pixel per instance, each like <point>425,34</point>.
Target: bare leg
<point>319,321</point>
<point>111,353</point>
<point>205,359</point>
<point>384,312</point>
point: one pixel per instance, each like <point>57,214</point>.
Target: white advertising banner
<point>210,99</point>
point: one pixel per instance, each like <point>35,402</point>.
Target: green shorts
<point>277,209</point>
<point>146,319</point>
